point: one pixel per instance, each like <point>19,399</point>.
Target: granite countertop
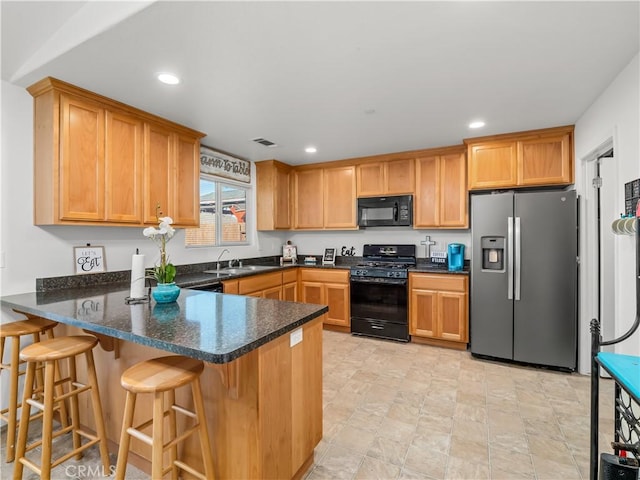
<point>426,268</point>
<point>213,327</point>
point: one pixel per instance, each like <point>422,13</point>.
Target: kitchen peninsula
<point>262,383</point>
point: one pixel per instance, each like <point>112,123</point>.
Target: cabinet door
<point>453,191</point>
<point>492,164</point>
<point>312,292</point>
<point>370,179</point>
<point>185,205</point>
<point>452,316</point>
<point>290,292</point>
<point>123,168</point>
<point>340,197</point>
<point>427,201</point>
<point>158,174</point>
<point>423,314</point>
<point>545,161</point>
<point>81,188</point>
<point>337,298</point>
<point>308,194</point>
<point>274,293</point>
<point>400,177</point>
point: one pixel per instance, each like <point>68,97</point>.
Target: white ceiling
<point>311,73</point>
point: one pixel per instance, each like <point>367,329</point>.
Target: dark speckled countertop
<point>213,327</point>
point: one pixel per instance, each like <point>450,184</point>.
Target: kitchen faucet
<point>219,257</point>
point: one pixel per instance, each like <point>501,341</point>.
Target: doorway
<point>601,177</point>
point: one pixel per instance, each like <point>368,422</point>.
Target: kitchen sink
<point>219,274</point>
<point>257,267</point>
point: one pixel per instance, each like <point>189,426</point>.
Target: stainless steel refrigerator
<point>524,277</point>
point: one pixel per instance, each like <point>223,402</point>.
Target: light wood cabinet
<point>308,188</point>
<point>523,159</point>
<point>327,287</point>
<point>324,198</point>
<point>273,200</point>
<point>290,285</point>
<point>441,199</point>
<point>388,177</point>
<point>101,162</point>
<point>265,285</point>
<point>438,309</point>
<point>340,198</point>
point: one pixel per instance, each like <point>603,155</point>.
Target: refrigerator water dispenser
<point>492,254</point>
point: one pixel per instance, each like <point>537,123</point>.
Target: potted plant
<point>165,272</point>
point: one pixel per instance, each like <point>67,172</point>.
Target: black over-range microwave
<point>394,211</point>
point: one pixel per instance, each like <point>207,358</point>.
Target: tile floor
<point>408,411</point>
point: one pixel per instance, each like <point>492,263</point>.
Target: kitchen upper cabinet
<point>308,188</point>
<point>101,162</point>
<point>387,177</point>
<point>273,180</point>
<point>524,159</point>
<point>324,198</point>
<point>438,309</point>
<point>327,287</point>
<point>441,199</point>
<point>340,198</point>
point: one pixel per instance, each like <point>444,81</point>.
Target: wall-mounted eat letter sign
<point>223,165</point>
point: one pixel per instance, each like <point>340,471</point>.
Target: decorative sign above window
<point>223,165</point>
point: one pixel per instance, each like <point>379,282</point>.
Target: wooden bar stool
<point>50,352</point>
<point>34,326</point>
<point>157,376</point>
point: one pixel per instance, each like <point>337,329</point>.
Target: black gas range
<point>379,291</point>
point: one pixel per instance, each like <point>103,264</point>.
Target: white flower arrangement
<point>166,271</point>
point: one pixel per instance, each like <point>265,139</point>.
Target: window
<point>220,226</point>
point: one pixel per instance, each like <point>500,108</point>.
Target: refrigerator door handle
<point>518,254</point>
<point>510,258</point>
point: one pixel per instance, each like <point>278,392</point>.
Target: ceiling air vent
<point>265,142</point>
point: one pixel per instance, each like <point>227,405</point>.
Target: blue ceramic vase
<point>165,292</point>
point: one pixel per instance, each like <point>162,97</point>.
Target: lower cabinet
<point>327,287</point>
<point>290,285</point>
<point>438,309</point>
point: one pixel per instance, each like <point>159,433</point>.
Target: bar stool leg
<point>64,415</point>
<point>24,420</point>
<point>125,438</point>
<point>13,397</point>
<point>171,394</point>
<point>97,410</point>
<point>205,443</point>
<point>75,410</point>
<point>47,419</point>
<point>158,424</point>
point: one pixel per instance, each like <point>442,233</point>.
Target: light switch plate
<point>295,337</point>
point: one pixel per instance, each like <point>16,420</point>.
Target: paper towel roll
<point>138,319</point>
<point>137,276</point>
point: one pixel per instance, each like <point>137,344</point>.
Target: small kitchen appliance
<point>379,291</point>
<point>455,257</point>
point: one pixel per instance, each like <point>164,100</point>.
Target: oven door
<point>379,308</point>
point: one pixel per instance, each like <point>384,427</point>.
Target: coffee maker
<point>455,257</point>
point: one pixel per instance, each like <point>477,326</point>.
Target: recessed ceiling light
<point>478,124</point>
<point>311,149</point>
<point>168,78</point>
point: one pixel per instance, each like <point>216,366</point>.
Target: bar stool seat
<point>159,376</point>
<point>50,352</point>
<point>34,326</point>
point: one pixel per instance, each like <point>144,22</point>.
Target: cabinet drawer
<point>289,276</point>
<point>442,282</point>
<point>326,276</point>
<point>259,282</point>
